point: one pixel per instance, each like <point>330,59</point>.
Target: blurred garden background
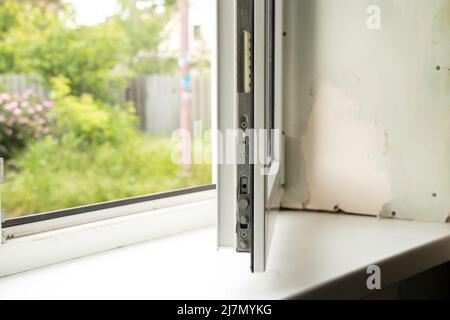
<point>89,97</point>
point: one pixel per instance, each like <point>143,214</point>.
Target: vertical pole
<point>185,83</point>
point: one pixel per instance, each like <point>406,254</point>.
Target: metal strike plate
<point>247,69</point>
<point>245,123</point>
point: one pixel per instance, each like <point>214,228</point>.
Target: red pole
<point>185,81</point>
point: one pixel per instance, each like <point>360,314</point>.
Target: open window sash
<point>249,190</point>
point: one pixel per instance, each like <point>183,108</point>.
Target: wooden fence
<point>18,84</point>
<point>156,98</point>
<point>157,101</point>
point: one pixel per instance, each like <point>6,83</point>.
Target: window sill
<point>63,244</point>
<point>312,255</point>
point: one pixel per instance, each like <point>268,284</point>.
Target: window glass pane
<point>92,94</point>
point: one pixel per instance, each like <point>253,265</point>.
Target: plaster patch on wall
<point>342,150</point>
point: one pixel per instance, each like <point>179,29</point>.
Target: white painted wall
<point>367,112</point>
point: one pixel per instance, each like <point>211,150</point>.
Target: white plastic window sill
<point>63,244</point>
<point>308,251</point>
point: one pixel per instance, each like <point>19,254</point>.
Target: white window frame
<point>226,120</point>
<point>41,243</point>
<point>46,248</point>
<point>51,221</point>
<point>267,189</point>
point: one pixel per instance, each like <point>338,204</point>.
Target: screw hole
<point>438,68</point>
<point>434,195</point>
<point>394,213</point>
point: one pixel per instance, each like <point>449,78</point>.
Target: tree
<point>143,22</point>
<point>42,37</point>
<point>40,40</point>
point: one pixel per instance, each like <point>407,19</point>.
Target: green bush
<point>87,121</point>
<point>94,154</point>
<point>52,176</point>
<point>100,60</point>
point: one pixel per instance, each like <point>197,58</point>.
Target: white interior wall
<point>367,112</point>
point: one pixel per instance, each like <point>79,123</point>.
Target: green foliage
<point>87,121</point>
<point>51,176</point>
<point>40,42</point>
<point>9,12</point>
<point>93,152</point>
<point>8,16</point>
<point>42,37</point>
<point>144,27</point>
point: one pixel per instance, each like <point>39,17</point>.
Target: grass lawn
<point>46,176</point>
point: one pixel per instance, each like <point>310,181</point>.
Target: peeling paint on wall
<point>367,112</point>
<point>343,151</point>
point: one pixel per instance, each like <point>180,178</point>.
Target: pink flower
<point>39,108</point>
<point>2,118</point>
<point>17,112</point>
<point>24,121</point>
<point>46,130</point>
<point>24,104</point>
<point>11,106</point>
<point>5,97</point>
<point>27,94</point>
<point>48,104</point>
<point>30,110</point>
<point>9,132</point>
